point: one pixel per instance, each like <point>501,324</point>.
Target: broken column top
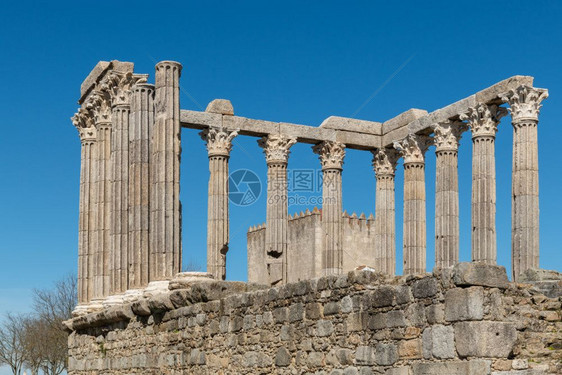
<point>220,106</point>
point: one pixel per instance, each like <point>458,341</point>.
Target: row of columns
<point>130,214</point>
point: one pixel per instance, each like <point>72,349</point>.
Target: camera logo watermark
<point>244,187</point>
<point>304,187</point>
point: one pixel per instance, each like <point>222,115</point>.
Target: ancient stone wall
<point>466,320</point>
<point>306,244</point>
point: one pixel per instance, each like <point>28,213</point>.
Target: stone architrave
<point>276,149</point>
<point>99,103</point>
<point>219,144</point>
<point>413,149</point>
<point>331,155</point>
<point>165,207</point>
<point>84,123</point>
<point>525,105</point>
<point>384,165</point>
<point>446,139</point>
<point>483,121</point>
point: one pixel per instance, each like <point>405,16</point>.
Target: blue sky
<point>290,61</point>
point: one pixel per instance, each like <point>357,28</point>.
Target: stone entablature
<point>463,320</point>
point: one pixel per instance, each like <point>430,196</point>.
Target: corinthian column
<point>446,139</point>
<point>276,150</point>
<point>483,121</point>
<point>219,144</point>
<point>165,206</point>
<point>331,156</point>
<point>85,125</point>
<point>140,130</point>
<point>412,149</point>
<point>118,86</point>
<point>525,103</point>
<point>99,104</point>
<point>384,164</point>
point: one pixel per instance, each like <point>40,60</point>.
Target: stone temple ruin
<point>307,308</point>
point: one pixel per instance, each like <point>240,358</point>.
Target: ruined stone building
<point>306,307</point>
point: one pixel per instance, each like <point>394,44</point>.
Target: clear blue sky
<point>292,61</point>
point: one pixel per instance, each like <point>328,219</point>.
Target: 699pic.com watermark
<point>304,187</point>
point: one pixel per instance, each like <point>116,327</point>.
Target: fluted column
<point>87,131</point>
<point>384,164</point>
<point>165,207</point>
<point>483,121</point>
<point>219,144</point>
<point>525,103</point>
<point>99,104</point>
<point>446,140</point>
<point>276,150</point>
<point>412,149</point>
<point>140,130</point>
<point>118,87</point>
<point>331,155</point>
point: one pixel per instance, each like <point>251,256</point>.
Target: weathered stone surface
<point>466,274</point>
<point>386,354</point>
<point>426,287</point>
<point>464,304</point>
<point>473,367</point>
<point>485,339</point>
<point>283,357</point>
<point>439,342</point>
<point>222,106</point>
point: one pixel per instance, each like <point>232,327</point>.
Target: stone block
<point>324,328</point>
<point>399,371</point>
<point>365,355</point>
<point>410,349</point>
<point>485,339</point>
<point>386,354</point>
<point>473,367</point>
<point>467,274</point>
<point>435,313</point>
<point>424,288</point>
<point>283,357</point>
<point>382,296</point>
<point>464,304</point>
<point>439,342</point>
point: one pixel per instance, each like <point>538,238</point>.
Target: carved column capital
<point>525,103</point>
<point>99,104</point>
<point>413,148</point>
<point>446,135</point>
<point>218,140</point>
<point>331,154</point>
<point>119,85</point>
<point>384,162</point>
<point>84,122</point>
<point>483,119</point>
<point>276,148</point>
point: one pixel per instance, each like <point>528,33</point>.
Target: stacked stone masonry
<point>463,320</point>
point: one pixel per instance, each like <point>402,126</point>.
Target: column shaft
<point>102,260</point>
<point>384,164</point>
<point>217,224</point>
<point>483,121</point>
<point>484,200</point>
<point>142,121</point>
<point>165,206</point>
<point>276,149</point>
<point>446,209</point>
<point>413,149</point>
<point>119,202</point>
<point>525,103</point>
<point>414,218</point>
<point>332,221</point>
<point>385,225</point>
